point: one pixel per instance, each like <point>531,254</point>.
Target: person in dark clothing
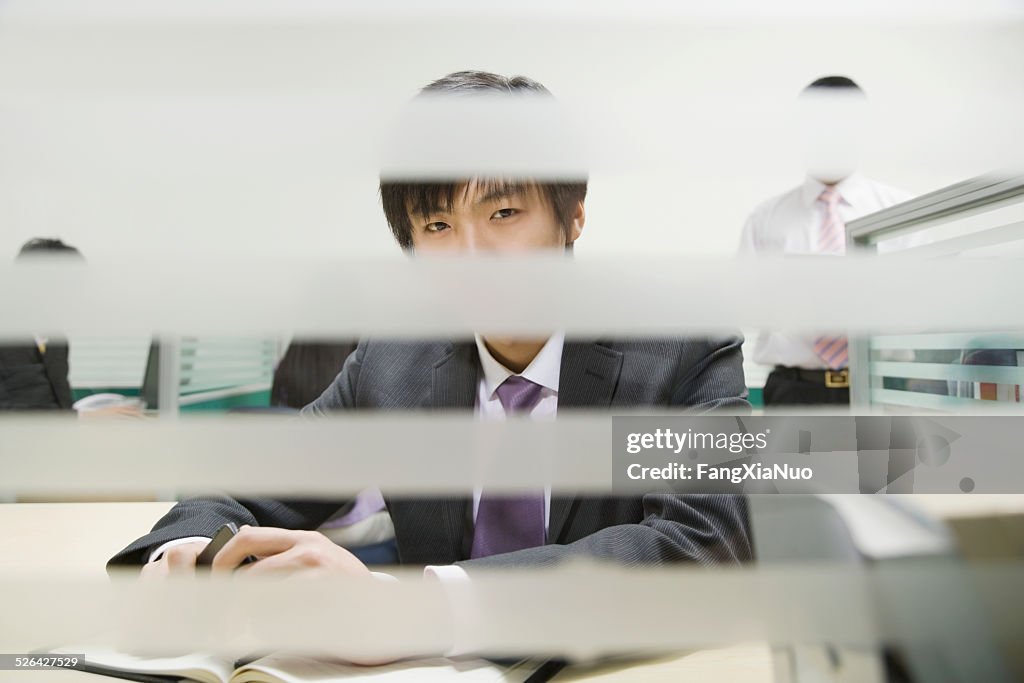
<point>305,370</point>
<point>34,376</point>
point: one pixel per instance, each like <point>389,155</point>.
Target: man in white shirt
<point>811,219</point>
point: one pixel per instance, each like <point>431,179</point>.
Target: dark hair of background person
<point>305,370</point>
<point>834,83</point>
<point>47,246</point>
<point>398,198</point>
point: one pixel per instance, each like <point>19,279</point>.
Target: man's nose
<point>468,239</point>
<point>473,239</point>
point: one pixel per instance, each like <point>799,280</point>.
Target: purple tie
<point>507,523</point>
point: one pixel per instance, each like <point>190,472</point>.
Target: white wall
<point>250,135</point>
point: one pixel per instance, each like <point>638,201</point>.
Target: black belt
<point>832,379</point>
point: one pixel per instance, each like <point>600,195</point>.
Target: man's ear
<point>579,218</point>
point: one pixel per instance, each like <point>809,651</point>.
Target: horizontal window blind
<point>945,371</point>
<point>102,364</point>
<point>210,368</point>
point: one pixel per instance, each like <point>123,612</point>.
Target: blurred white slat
<point>439,297</point>
<point>259,11</point>
<point>547,611</point>
<point>409,452</point>
<point>402,452</point>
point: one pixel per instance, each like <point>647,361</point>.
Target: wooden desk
<point>967,505</point>
<point>75,538</point>
<point>79,537</point>
<point>739,664</point>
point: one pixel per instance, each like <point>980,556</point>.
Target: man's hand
<point>177,560</point>
<point>283,551</point>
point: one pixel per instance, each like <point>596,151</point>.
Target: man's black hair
<point>837,82</point>
<point>399,198</point>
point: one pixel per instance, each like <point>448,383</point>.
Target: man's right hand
<point>179,560</point>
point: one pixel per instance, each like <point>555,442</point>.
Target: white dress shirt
<point>789,224</point>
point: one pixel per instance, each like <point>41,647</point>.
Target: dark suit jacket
<point>305,369</point>
<point>654,528</point>
<point>30,380</point>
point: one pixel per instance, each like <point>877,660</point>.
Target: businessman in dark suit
<point>494,376</point>
<point>34,375</point>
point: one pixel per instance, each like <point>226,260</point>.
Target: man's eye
<point>505,213</point>
<point>436,226</point>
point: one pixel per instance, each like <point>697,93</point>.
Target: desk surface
<point>77,539</point>
<point>80,537</point>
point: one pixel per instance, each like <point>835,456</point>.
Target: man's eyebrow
<point>497,193</point>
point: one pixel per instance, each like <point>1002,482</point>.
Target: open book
<point>298,669</point>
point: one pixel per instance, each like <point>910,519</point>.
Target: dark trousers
<point>791,387</point>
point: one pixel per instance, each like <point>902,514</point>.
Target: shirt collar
<point>852,189</point>
<point>543,369</point>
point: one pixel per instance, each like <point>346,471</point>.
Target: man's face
<point>832,132</point>
<point>483,220</point>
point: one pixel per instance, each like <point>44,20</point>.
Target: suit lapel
<point>454,385</point>
<point>588,376</point>
<point>455,378</point>
<point>587,379</point>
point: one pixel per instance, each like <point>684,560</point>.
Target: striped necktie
<point>833,350</point>
<point>832,233</point>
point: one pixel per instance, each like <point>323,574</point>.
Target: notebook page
<point>296,669</point>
